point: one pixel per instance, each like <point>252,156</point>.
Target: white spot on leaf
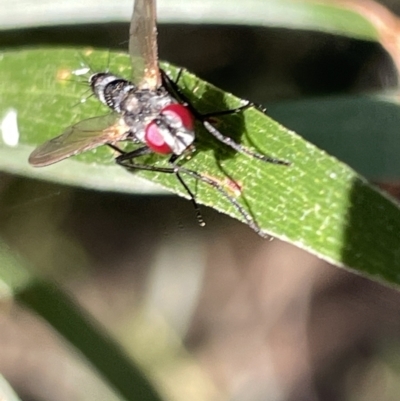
<point>9,128</point>
<point>81,71</point>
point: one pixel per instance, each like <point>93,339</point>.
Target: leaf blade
<point>317,203</point>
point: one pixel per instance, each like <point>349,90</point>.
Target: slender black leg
<point>176,92</point>
<point>196,206</point>
<point>246,106</point>
<point>173,87</point>
<point>175,169</point>
<point>144,150</point>
<point>129,156</point>
<point>240,148</point>
<point>178,76</point>
<point>180,96</point>
<point>247,217</point>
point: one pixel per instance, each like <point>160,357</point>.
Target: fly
<point>149,110</point>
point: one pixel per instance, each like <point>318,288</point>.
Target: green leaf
<point>317,203</point>
<point>363,130</point>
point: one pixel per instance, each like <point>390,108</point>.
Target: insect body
<point>149,110</point>
<point>154,117</point>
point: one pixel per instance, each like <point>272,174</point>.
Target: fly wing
<point>143,45</point>
<point>85,135</point>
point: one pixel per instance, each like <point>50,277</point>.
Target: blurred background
<point>212,313</point>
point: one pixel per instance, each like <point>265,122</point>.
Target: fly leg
<point>178,94</point>
<point>144,150</point>
<point>204,118</point>
<point>177,170</point>
<point>126,160</point>
<point>217,186</point>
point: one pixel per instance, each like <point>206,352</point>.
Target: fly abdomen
<point>110,89</point>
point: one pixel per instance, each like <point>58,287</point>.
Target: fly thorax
<point>141,107</point>
<point>160,101</point>
<point>146,103</point>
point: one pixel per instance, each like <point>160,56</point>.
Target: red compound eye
<point>154,139</point>
<point>179,111</point>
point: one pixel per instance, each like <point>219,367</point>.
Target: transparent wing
<point>143,45</point>
<point>85,135</point>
